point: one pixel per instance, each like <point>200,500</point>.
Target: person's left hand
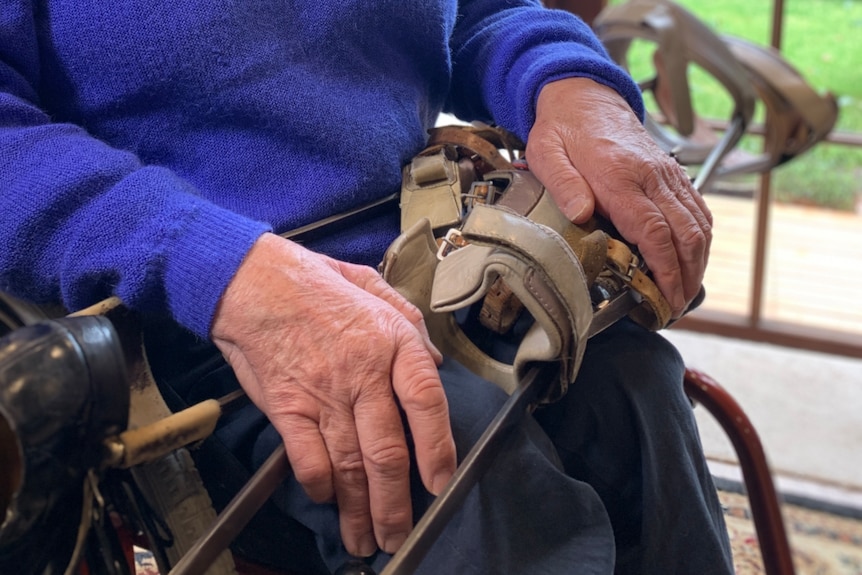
<point>593,154</point>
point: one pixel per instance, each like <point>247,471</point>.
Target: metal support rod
<point>235,516</point>
<point>477,462</point>
<point>710,166</point>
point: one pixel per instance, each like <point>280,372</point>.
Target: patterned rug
<point>822,544</point>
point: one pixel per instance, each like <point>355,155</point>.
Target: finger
<point>564,182</point>
<point>670,241</point>
<point>702,205</point>
<point>692,199</point>
<point>417,384</point>
<point>641,222</point>
<point>691,228</point>
<point>703,214</point>
<point>351,485</point>
<point>413,315</point>
<point>298,427</point>
<point>573,195</point>
<point>308,455</point>
<point>386,462</point>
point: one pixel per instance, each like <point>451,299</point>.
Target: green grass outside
<point>822,39</point>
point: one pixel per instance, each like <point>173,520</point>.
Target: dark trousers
<point>610,479</point>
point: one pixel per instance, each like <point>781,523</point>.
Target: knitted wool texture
<point>145,145</point>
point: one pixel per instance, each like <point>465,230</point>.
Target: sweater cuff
<point>203,260</point>
<point>542,65</point>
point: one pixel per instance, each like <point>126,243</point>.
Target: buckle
<point>622,262</point>
<point>453,240</point>
<point>629,273</point>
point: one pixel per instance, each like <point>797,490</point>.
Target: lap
<point>545,504</point>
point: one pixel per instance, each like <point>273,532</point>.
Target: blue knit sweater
<point>145,145</point>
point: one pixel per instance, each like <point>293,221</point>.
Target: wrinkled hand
<point>328,350</point>
<point>592,153</point>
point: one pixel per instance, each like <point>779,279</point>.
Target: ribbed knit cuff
<point>203,259</point>
<point>542,65</point>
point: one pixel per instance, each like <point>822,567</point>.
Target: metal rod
<point>477,462</point>
<point>235,516</point>
<point>233,401</point>
<point>307,231</point>
<point>710,166</point>
<point>229,398</point>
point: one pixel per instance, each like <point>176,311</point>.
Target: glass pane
<point>814,262</point>
<point>728,278</point>
<point>822,40</point>
<point>728,275</point>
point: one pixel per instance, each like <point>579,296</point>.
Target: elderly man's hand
<point>328,351</point>
<point>592,153</point>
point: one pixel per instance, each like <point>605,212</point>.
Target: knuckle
<point>693,237</point>
<point>424,391</point>
<point>373,352</point>
<point>394,520</point>
<point>350,468</point>
<point>406,338</point>
<point>652,181</point>
<point>312,476</point>
<point>387,458</point>
<point>411,312</point>
<point>656,230</point>
<point>544,138</point>
<point>693,244</point>
<point>707,226</point>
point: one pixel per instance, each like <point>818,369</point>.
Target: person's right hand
<point>328,351</point>
<point>593,154</point>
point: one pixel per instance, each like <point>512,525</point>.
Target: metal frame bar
<point>753,326</point>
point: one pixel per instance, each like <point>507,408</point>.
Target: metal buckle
<point>627,274</point>
<point>453,240</point>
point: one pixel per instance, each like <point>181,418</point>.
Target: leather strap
<point>515,250</point>
<point>654,312</point>
<point>535,263</point>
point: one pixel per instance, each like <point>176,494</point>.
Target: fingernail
<point>574,208</point>
<point>367,545</point>
<point>394,542</point>
<point>439,482</point>
<point>435,353</point>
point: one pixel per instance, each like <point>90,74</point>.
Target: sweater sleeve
<point>81,221</point>
<point>505,51</point>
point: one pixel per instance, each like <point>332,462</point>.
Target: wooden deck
<point>813,268</point>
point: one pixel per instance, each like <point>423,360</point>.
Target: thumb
<point>571,192</point>
<point>564,182</point>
